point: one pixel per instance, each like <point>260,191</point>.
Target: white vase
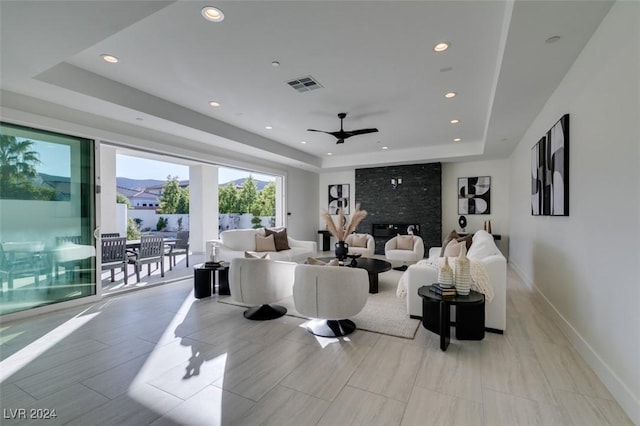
<point>462,276</point>
<point>445,275</point>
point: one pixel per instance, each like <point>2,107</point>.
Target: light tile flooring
<point>161,357</point>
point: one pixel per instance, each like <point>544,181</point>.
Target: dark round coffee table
<point>372,266</point>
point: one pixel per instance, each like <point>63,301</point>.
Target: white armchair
<point>367,251</point>
<point>331,294</point>
<point>395,248</point>
<point>261,282</point>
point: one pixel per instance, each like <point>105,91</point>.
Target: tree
<point>18,163</point>
<point>228,199</point>
<point>121,199</point>
<point>183,202</point>
<point>267,200</point>
<point>174,199</point>
<point>248,196</point>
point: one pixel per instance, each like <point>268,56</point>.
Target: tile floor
<point>161,357</point>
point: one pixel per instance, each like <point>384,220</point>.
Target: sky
<point>141,168</point>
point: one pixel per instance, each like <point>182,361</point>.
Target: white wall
<point>499,217</point>
<point>586,265</point>
<point>107,175</point>
<point>302,204</point>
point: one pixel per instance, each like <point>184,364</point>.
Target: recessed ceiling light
<point>385,147</point>
<point>450,95</point>
<point>212,14</point>
<point>275,64</point>
<point>441,47</point>
<point>329,153</point>
<point>268,127</point>
<point>457,140</point>
<point>214,104</point>
<point>552,39</point>
<point>110,58</point>
<point>454,121</point>
<point>303,142</point>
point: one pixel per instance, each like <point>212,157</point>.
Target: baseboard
<point>629,402</point>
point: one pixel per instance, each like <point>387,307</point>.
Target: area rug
<point>384,312</point>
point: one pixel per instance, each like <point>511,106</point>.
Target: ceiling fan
<point>341,135</point>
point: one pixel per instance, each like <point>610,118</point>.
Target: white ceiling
<point>375,61</point>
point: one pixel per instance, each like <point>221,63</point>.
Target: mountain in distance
<point>260,184</point>
<point>140,184</point>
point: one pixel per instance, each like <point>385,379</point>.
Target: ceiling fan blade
<point>314,130</point>
<point>361,132</point>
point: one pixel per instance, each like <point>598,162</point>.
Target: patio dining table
<point>135,244</point>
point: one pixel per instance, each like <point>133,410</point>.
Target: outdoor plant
<point>162,223</point>
<point>257,222</point>
<point>133,229</point>
<point>180,224</point>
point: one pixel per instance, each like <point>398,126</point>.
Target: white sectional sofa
<point>483,249</point>
<point>234,242</point>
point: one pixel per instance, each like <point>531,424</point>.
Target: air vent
<point>304,84</point>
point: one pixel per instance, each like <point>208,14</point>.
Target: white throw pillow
<point>483,245</point>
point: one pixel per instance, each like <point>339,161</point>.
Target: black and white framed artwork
<point>474,195</point>
<point>550,171</point>
<point>339,197</point>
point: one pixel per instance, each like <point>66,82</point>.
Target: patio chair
<point>22,259</point>
<point>181,246</point>
<point>114,255</point>
<point>110,235</point>
<point>151,251</point>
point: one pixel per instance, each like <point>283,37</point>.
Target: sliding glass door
<point>47,218</point>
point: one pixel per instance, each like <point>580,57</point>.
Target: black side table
<point>202,281</point>
<point>223,280</point>
<point>436,315</point>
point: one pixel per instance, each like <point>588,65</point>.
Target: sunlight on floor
<point>26,355</point>
<point>325,341</point>
<point>185,369</point>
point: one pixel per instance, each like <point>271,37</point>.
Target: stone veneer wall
<point>417,200</point>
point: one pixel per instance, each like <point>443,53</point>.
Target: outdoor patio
<point>180,271</point>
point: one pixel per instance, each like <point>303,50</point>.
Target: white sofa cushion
<point>241,239</point>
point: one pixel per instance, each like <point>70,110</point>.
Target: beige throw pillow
<point>359,240</point>
<point>254,255</point>
<point>405,242</point>
<point>453,248</point>
<point>453,235</point>
<point>265,243</point>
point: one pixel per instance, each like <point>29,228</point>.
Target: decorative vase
<point>342,249</point>
<point>445,275</point>
<point>462,276</point>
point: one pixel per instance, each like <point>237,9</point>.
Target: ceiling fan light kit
<point>341,135</point>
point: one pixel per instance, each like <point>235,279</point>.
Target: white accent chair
<point>330,295</point>
<point>367,251</point>
<point>261,282</point>
<point>393,252</point>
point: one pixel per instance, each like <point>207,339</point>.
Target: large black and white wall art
<point>550,171</point>
<point>338,197</point>
<point>474,195</point>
